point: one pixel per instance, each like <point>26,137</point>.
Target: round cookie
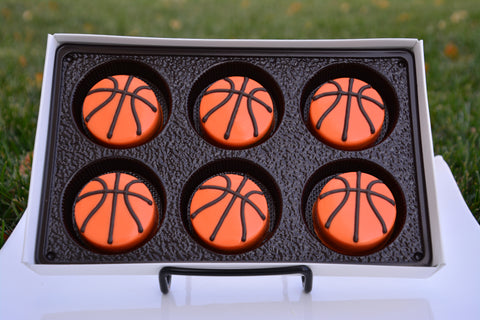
<point>229,212</point>
<point>115,212</point>
<point>122,111</point>
<point>347,113</point>
<point>236,112</point>
<point>354,213</point>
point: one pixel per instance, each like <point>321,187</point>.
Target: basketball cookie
<point>122,111</point>
<point>355,213</point>
<point>347,113</point>
<point>115,212</point>
<point>229,212</point>
<point>236,112</point>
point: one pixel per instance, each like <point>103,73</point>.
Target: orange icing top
<point>122,111</point>
<point>354,213</point>
<point>347,113</point>
<point>115,212</point>
<point>229,212</point>
<point>236,112</point>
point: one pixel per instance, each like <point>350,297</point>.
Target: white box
<point>448,288</point>
<point>411,45</point>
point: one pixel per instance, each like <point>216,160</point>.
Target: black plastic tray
<point>291,163</point>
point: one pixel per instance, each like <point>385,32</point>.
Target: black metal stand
<point>165,275</point>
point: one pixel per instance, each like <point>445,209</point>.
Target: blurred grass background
<point>450,30</point>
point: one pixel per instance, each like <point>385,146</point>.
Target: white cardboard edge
<point>428,155</point>
<point>33,207</point>
<point>378,43</point>
<point>39,153</point>
<point>346,270</point>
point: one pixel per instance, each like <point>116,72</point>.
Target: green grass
<point>453,78</point>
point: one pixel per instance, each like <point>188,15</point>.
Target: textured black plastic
<point>292,156</point>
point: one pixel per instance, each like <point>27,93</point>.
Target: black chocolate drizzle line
<point>133,96</point>
<point>358,95</point>
<point>235,194</point>
<point>115,191</point>
<point>114,208</point>
<point>357,207</point>
<point>216,200</point>
<point>368,192</point>
<point>240,94</point>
